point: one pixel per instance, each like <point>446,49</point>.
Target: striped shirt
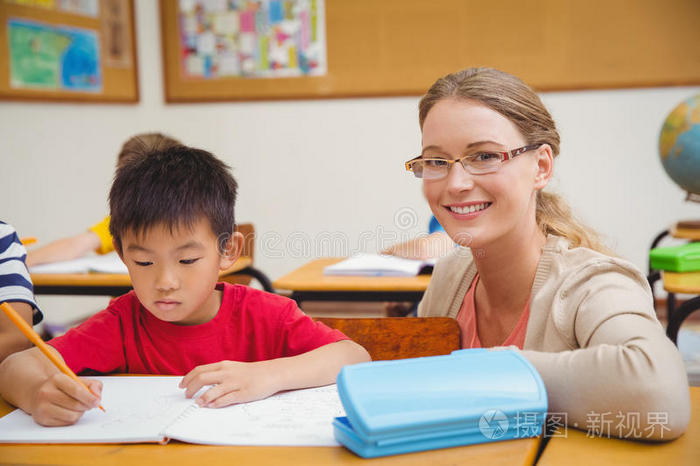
<point>15,284</point>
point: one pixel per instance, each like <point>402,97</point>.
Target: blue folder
<point>467,397</point>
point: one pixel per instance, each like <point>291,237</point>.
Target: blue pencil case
<point>468,397</point>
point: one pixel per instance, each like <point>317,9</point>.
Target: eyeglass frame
<point>506,155</point>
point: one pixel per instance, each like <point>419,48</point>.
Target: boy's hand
<point>233,382</point>
<point>61,401</point>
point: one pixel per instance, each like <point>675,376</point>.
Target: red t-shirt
<point>251,325</point>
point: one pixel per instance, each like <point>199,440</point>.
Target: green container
<point>684,258</point>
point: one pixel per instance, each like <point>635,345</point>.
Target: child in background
<point>15,288</point>
<point>530,276</point>
<point>435,245</point>
<point>97,237</point>
<point>172,220</point>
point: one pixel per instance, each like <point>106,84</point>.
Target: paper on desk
<point>378,265</point>
<point>152,409</point>
<point>294,418</point>
<point>107,263</point>
<point>136,409</point>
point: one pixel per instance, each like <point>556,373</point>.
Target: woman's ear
<point>545,166</point>
<point>229,249</point>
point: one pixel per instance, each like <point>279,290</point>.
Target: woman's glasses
<point>479,163</point>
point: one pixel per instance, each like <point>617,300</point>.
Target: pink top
<point>466,318</point>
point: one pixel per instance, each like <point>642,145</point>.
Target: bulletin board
<point>81,51</point>
<point>399,47</point>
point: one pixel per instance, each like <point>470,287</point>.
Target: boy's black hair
<point>174,187</point>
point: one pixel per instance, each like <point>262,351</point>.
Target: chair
<point>688,230</point>
<point>387,338</point>
<point>243,277</point>
<point>687,283</point>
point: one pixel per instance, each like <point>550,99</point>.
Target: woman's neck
<point>507,270</point>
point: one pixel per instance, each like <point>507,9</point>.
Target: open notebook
<point>379,265</point>
<point>154,409</point>
<point>107,263</point>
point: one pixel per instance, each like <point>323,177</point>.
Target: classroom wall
<point>326,176</point>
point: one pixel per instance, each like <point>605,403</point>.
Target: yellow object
<point>101,229</point>
<point>28,240</point>
<point>685,282</point>
<point>29,332</point>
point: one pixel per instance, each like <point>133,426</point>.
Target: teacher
<point>528,275</point>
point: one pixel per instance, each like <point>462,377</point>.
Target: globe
<point>679,146</point>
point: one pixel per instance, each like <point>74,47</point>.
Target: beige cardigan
<point>594,338</point>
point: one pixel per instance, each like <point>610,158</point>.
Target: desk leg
<point>679,315</point>
<point>670,305</point>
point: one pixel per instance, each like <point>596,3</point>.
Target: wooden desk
<point>308,283</point>
<point>577,449</point>
<point>103,284</point>
<point>512,452</point>
<point>688,232</point>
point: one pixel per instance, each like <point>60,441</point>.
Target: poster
<point>53,57</point>
<point>116,34</point>
<point>252,38</point>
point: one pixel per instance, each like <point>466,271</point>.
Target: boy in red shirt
<point>172,218</point>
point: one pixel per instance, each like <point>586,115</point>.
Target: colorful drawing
<point>50,57</point>
<point>252,38</point>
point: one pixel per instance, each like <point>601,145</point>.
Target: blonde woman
<point>528,275</point>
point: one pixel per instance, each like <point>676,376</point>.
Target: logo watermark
<point>405,218</point>
<point>299,244</point>
<point>493,424</point>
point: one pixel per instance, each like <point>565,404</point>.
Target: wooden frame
<point>399,47</point>
<point>110,34</point>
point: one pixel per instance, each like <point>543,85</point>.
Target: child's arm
<point>240,382</point>
<point>435,245</point>
<point>11,339</point>
<point>64,249</point>
<point>31,382</point>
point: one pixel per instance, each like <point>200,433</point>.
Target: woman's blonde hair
<point>515,100</point>
<point>144,143</point>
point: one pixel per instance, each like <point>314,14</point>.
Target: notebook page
<point>294,418</point>
<point>136,410</point>
<point>107,263</point>
<point>376,265</point>
<point>81,265</point>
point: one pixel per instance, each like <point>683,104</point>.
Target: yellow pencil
<point>29,332</point>
<point>27,240</point>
